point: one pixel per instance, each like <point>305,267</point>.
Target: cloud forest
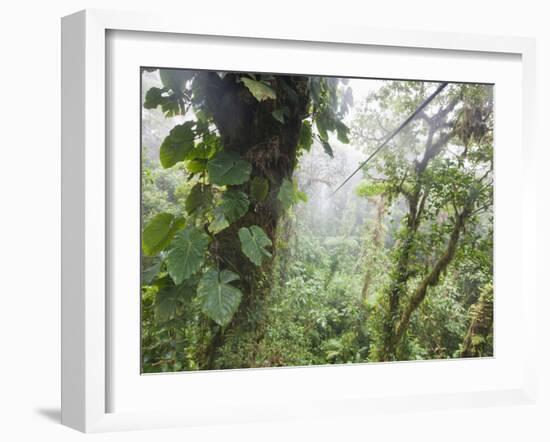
<point>295,220</point>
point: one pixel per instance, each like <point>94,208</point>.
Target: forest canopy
<point>255,255</point>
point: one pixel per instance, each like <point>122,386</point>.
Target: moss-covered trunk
<point>248,127</point>
<point>376,242</point>
<point>399,278</point>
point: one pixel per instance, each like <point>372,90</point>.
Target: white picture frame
<point>86,315</point>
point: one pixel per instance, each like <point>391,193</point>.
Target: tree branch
<point>432,277</point>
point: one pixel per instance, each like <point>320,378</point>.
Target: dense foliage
<point>249,260</point>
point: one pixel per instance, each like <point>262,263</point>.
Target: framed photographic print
<point>283,223</point>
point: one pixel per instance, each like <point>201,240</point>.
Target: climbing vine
<point>239,142</point>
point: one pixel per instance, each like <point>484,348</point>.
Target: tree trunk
<point>376,242</point>
<point>247,126</point>
<point>416,201</point>
<point>431,279</point>
<point>400,276</point>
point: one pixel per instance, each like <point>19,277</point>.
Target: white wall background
<point>30,215</point>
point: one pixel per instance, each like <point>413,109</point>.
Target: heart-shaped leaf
<point>219,299</point>
<point>158,232</point>
<point>234,204</point>
<point>160,97</point>
<point>177,145</point>
<point>155,97</point>
<point>227,168</point>
<point>200,196</point>
<point>253,244</point>
<point>187,253</point>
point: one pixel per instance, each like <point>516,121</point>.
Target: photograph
<point>304,220</point>
<point>298,221</point>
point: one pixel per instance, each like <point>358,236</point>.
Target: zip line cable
<point>394,133</point>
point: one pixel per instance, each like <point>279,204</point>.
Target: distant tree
<point>441,167</point>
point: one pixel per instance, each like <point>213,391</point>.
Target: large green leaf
<point>261,91</point>
<point>158,232</point>
<point>160,97</point>
<point>155,97</point>
<point>200,196</point>
<point>183,132</point>
<point>259,188</point>
<point>253,244</point>
<point>219,299</point>
<point>177,145</point>
<point>234,204</point>
<point>227,168</point>
<point>175,79</point>
<point>187,253</point>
